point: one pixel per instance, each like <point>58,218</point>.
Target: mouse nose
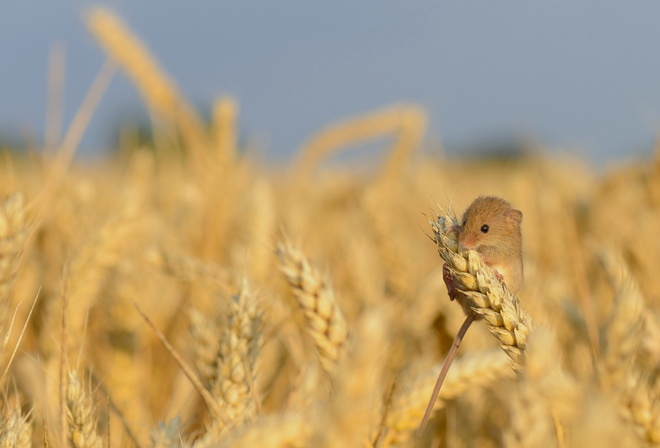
<point>467,243</point>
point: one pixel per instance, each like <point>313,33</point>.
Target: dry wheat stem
<point>326,323</point>
<point>481,292</point>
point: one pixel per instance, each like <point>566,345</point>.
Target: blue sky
<point>581,76</point>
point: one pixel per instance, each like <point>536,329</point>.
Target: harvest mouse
<point>491,227</point>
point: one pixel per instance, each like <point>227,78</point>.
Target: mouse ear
<point>514,215</point>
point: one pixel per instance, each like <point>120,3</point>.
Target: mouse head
<point>490,221</point>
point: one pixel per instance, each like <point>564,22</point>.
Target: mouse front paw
<point>449,281</point>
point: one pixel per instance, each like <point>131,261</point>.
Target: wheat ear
<point>205,345</point>
<point>237,357</point>
<point>623,335</point>
<point>326,323</point>
<point>15,430</point>
<point>80,412</point>
<point>482,293</point>
<point>13,232</point>
<point>623,332</point>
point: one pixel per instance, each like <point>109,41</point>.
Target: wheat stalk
<point>159,91</point>
<point>225,136</point>
<point>407,122</point>
<point>482,293</point>
<point>326,323</point>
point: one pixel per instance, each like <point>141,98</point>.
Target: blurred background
<point>221,224</point>
<point>490,74</point>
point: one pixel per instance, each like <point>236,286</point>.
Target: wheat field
<point>180,294</point>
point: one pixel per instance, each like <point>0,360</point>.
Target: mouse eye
<point>464,222</point>
<point>484,228</point>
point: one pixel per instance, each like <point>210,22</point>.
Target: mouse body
<point>492,227</point>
